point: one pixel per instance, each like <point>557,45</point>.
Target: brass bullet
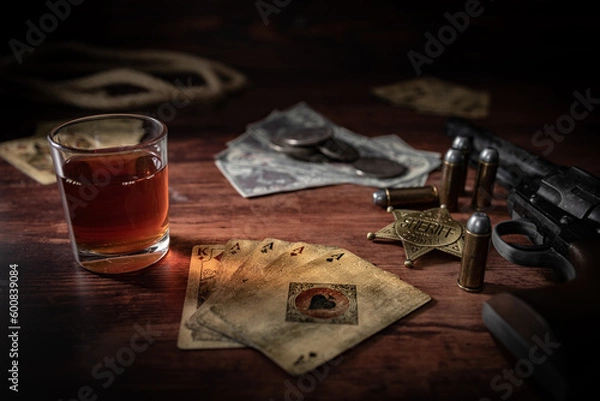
<point>463,143</point>
<point>451,176</point>
<point>486,177</point>
<point>386,197</point>
<point>475,251</point>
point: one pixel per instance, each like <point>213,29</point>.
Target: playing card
<point>435,96</point>
<point>31,155</point>
<point>241,272</point>
<point>302,315</point>
<point>233,253</point>
<point>205,266</point>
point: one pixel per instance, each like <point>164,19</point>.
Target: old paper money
<point>253,168</point>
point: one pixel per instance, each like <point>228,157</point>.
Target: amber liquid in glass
<point>117,203</point>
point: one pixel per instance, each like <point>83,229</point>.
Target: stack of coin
<point>318,145</point>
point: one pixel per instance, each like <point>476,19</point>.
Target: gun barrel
<point>516,164</point>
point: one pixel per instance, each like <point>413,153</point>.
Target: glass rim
<point>111,149</point>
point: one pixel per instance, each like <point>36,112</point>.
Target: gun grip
<point>549,329</point>
<point>539,254</point>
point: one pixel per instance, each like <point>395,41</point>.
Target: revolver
<point>548,330</point>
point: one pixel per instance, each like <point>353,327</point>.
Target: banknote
<point>254,169</point>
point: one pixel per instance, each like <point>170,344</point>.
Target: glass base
<point>118,264</point>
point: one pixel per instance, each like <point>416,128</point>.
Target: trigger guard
<point>524,255</point>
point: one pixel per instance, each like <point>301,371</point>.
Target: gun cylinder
<point>485,178</point>
<point>463,143</point>
<point>386,197</point>
<point>475,251</point>
<point>451,177</point>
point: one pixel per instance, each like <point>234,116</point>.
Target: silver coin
<point>304,136</point>
<point>304,153</point>
<point>339,151</point>
<point>378,167</point>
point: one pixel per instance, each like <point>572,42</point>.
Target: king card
<point>204,269</point>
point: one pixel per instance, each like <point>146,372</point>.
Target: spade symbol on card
<point>297,251</point>
<point>320,301</point>
<point>236,248</point>
<point>267,248</point>
<point>336,256</point>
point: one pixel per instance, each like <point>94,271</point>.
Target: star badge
<point>423,231</point>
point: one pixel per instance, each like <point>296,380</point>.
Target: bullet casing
<point>451,178</point>
<point>463,143</point>
<point>386,197</point>
<point>475,252</point>
<point>484,180</point>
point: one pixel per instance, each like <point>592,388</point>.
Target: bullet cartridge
<point>475,251</point>
<point>386,197</point>
<point>486,177</point>
<point>451,176</point>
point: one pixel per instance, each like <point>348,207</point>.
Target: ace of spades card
<point>302,304</point>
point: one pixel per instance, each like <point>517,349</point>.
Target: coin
<point>378,167</point>
<point>304,136</point>
<point>304,153</point>
<point>338,151</point>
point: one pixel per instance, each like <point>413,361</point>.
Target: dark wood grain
<point>74,322</point>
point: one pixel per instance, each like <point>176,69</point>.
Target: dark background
<point>551,43</point>
<point>543,39</point>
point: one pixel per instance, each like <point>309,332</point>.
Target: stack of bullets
<point>452,186</point>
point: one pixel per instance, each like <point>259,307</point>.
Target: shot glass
<point>112,175</point>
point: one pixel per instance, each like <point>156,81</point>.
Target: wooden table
<point>73,324</point>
